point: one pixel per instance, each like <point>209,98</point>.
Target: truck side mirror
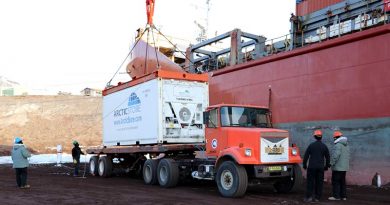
<point>206,117</point>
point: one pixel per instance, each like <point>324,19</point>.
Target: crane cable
<point>124,60</point>
<point>146,52</point>
<point>176,49</point>
<point>155,50</point>
<point>150,30</point>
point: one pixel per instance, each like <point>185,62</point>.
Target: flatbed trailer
<point>132,158</point>
<point>146,149</point>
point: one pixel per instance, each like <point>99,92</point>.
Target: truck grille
<point>274,147</point>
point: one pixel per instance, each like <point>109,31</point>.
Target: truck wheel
<point>93,165</point>
<point>290,185</point>
<point>105,166</point>
<point>149,171</point>
<point>232,179</point>
<point>167,173</point>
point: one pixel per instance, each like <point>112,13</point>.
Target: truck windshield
<point>245,117</point>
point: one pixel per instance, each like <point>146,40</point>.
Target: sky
<point>68,45</point>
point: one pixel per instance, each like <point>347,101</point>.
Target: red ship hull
<point>339,84</point>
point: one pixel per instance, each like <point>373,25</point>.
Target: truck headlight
<point>294,151</point>
<point>248,152</point>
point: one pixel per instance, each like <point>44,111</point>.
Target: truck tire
<point>167,173</point>
<point>232,179</point>
<point>149,171</point>
<point>291,185</point>
<point>94,166</point>
<point>105,166</point>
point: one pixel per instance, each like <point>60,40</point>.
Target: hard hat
<point>317,133</point>
<point>337,134</point>
<point>18,140</point>
<point>75,142</point>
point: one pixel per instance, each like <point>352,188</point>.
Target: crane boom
<point>150,11</point>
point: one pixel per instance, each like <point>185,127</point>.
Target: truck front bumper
<point>273,171</point>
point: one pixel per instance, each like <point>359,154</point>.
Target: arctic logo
<point>133,106</point>
<point>133,100</point>
<point>214,143</point>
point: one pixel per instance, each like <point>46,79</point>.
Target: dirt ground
<point>43,122</point>
<point>54,185</point>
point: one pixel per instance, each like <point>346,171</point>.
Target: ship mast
<point>202,36</point>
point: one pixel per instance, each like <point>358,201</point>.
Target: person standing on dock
<point>340,166</point>
<point>319,161</point>
<point>20,162</point>
<point>76,152</point>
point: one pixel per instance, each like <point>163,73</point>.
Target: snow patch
<point>47,159</point>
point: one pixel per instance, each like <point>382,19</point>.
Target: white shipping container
<point>346,26</point>
<point>321,30</point>
<point>157,111</point>
<point>362,21</point>
<point>334,30</point>
<point>315,39</point>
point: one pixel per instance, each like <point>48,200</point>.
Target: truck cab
<point>247,149</point>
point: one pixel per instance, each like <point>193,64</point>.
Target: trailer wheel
<point>149,171</point>
<point>105,166</point>
<point>167,173</point>
<point>232,179</point>
<point>291,184</point>
<point>93,165</point>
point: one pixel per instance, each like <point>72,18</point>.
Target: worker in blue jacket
<point>20,157</point>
